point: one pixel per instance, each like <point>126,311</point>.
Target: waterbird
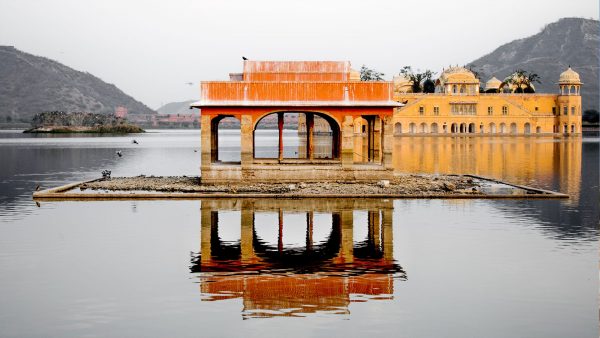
<point>244,58</point>
<point>189,83</point>
<point>134,141</point>
<point>119,153</point>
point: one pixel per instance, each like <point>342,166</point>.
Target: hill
<point>181,108</point>
<point>31,84</point>
<point>569,41</point>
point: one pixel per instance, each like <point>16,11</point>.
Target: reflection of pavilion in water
<point>276,280</point>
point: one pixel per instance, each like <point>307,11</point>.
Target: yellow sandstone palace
<point>457,107</point>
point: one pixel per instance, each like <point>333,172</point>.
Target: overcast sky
<point>152,49</point>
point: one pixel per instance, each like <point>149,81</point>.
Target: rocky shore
<point>400,185</point>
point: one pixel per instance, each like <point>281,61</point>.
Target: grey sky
<point>151,49</point>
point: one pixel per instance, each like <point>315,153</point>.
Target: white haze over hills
<point>158,51</point>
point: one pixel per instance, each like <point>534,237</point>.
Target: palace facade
<point>458,107</point>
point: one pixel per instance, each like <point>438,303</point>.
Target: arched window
<point>434,128</point>
<point>502,128</point>
<point>463,89</point>
<point>398,128</point>
<point>471,128</point>
<point>454,89</point>
<point>513,128</point>
<point>423,128</point>
<point>527,128</point>
<point>573,129</point>
<point>412,128</point>
<point>538,129</point>
<point>492,128</point>
<point>572,90</point>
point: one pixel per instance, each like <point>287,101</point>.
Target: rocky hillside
<point>31,84</point>
<point>569,41</point>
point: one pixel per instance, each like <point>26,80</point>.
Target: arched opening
<point>481,128</point>
<point>572,90</point>
<point>463,128</point>
<point>463,89</point>
<point>412,128</point>
<point>565,129</point>
<point>296,135</point>
<point>502,128</point>
<point>454,128</point>
<point>573,129</point>
<point>513,128</point>
<point>454,89</point>
<point>492,128</point>
<point>527,128</point>
<point>226,139</point>
<point>398,128</point>
<point>538,129</point>
<point>423,128</point>
<point>434,128</point>
<point>471,128</point>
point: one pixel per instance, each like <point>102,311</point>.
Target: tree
<point>367,74</point>
<point>416,77</point>
<point>522,80</point>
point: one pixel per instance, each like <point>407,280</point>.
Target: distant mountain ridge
<point>569,41</point>
<point>31,84</point>
<point>181,108</point>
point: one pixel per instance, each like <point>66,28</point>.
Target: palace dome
<point>569,76</point>
<point>457,75</point>
<point>402,84</point>
<point>493,83</point>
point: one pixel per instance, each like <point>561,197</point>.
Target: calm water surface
<point>402,268</point>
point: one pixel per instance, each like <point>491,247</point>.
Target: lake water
<point>322,268</point>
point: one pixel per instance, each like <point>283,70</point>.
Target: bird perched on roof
<point>37,188</point>
<point>119,153</point>
<point>244,58</point>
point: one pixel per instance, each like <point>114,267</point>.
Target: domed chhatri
<point>457,75</point>
<point>569,76</point>
<point>493,84</point>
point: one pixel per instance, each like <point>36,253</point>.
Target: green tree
<point>367,74</point>
<point>415,78</point>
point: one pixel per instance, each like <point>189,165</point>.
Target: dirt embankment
<point>405,184</point>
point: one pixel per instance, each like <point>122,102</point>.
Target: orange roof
<point>296,83</point>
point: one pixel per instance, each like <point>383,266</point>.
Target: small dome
<point>402,84</point>
<point>569,76</point>
<point>457,75</point>
<point>493,83</point>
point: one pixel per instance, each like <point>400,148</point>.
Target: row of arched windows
<point>471,128</point>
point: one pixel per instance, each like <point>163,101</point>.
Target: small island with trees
<point>80,122</point>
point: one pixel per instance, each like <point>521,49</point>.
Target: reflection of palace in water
<point>519,159</point>
<point>277,280</point>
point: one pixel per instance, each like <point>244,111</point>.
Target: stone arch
<point>538,129</point>
<point>454,89</point>
<point>471,128</point>
<point>492,128</point>
<point>502,128</point>
<point>423,128</point>
<point>302,151</point>
<point>513,128</point>
<point>397,128</point>
<point>412,128</point>
<point>463,128</point>
<point>454,128</point>
<point>573,129</point>
<point>527,128</point>
<point>434,128</point>
<point>221,154</point>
